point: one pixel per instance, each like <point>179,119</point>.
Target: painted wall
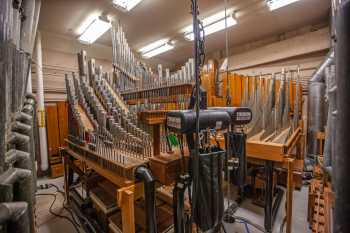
<point>306,49</point>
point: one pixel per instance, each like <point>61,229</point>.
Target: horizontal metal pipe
<point>24,191</point>
<point>21,158</point>
<point>14,175</point>
<point>15,215</point>
<point>20,127</point>
<point>24,117</point>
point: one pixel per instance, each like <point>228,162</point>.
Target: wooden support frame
<point>128,192</point>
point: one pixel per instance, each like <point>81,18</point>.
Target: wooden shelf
<point>182,85</point>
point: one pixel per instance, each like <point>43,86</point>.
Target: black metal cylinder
<point>268,221</point>
<point>342,158</point>
<point>142,173</point>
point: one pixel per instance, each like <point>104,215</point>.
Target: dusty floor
<point>48,223</point>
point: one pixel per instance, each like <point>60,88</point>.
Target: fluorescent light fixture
<point>276,4</point>
<point>153,45</point>
<point>94,30</point>
<point>164,48</point>
<point>126,5</point>
<point>213,23</point>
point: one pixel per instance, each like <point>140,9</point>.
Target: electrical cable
<point>55,214</point>
<point>68,209</point>
<point>256,226</point>
<point>283,223</point>
<point>245,225</point>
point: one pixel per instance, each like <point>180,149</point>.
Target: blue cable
<point>245,224</point>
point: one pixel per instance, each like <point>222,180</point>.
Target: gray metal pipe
<point>20,140</point>
<point>21,159</point>
<point>27,25</point>
<point>35,23</point>
<point>341,169</point>
<point>16,184</point>
<point>15,216</point>
<point>319,75</point>
<point>20,127</point>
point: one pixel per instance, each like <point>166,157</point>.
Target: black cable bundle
<point>237,147</point>
<point>209,195</point>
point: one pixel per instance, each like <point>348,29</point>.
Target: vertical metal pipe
<point>35,22</point>
<point>342,158</point>
<point>27,26</point>
<point>268,221</point>
<point>40,107</point>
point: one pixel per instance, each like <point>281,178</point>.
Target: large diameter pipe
<point>35,23</point>
<point>40,105</point>
<point>27,26</point>
<point>316,117</point>
<point>319,75</point>
<point>342,158</point>
<point>17,185</point>
<point>15,215</point>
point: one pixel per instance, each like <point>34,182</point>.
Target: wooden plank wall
<point>57,131</point>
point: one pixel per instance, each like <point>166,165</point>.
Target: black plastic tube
<point>342,158</point>
<point>145,175</point>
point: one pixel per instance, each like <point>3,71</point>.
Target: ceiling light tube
<point>94,30</point>
<point>214,27</point>
<point>153,45</point>
<point>276,4</point>
<point>162,49</point>
<point>126,5</point>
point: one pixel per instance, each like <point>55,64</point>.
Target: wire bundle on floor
<point>72,220</point>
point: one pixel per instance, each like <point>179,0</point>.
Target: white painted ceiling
<point>155,19</point>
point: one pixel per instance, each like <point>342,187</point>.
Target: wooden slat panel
<point>62,109</point>
<point>53,135</point>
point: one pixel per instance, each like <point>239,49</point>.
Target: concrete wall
<point>306,51</point>
<point>60,57</point>
<point>305,47</point>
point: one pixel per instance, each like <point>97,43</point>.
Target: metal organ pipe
<point>41,108</point>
